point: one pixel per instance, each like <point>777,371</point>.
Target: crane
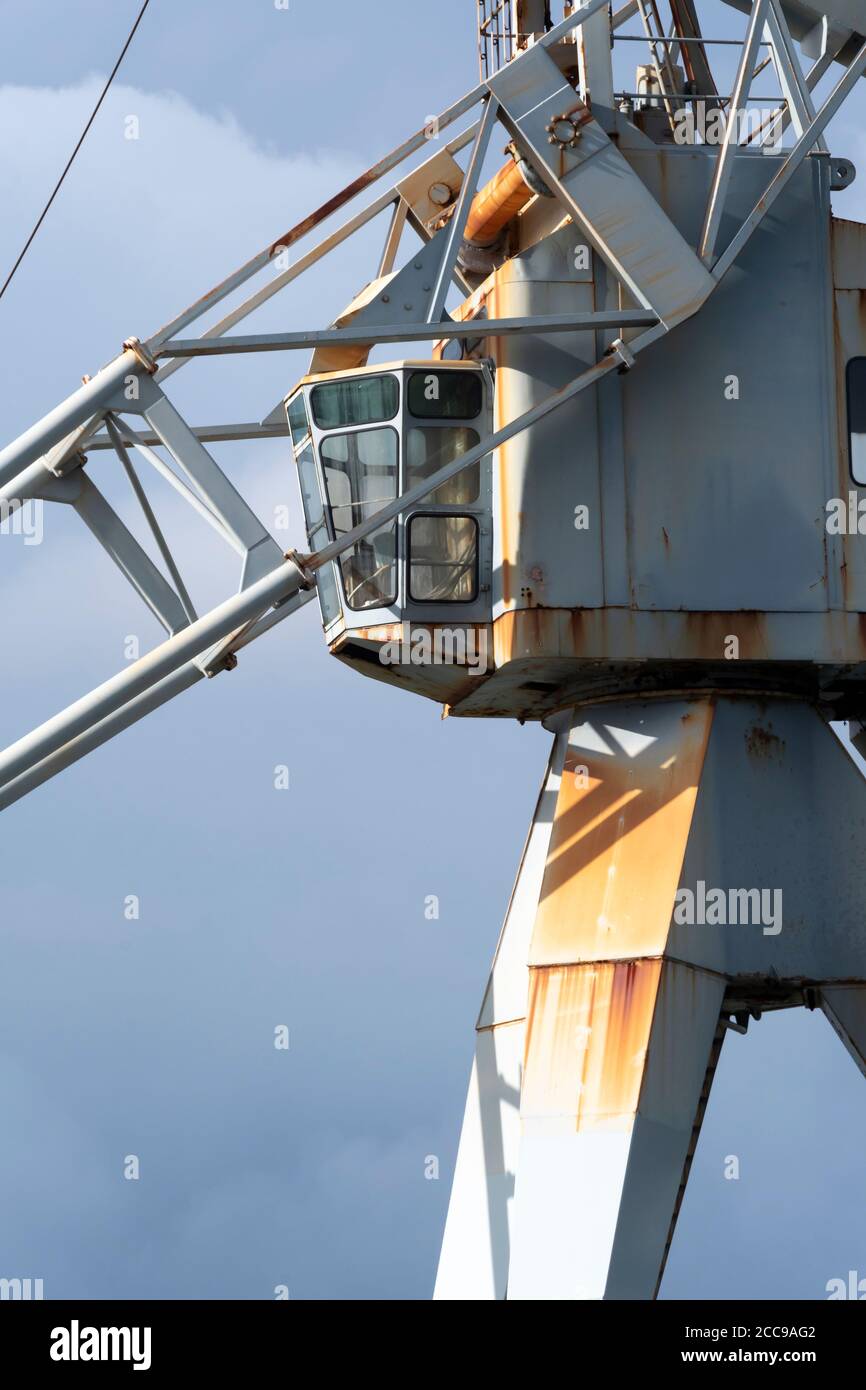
<point>567,509</point>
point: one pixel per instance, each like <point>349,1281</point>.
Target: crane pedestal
<point>692,863</point>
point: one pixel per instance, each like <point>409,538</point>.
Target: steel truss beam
<point>798,153</point>
<point>155,693</point>
<point>724,162</point>
<point>407,333</point>
<point>208,434</point>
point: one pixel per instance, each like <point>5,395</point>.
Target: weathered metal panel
<point>548,659</point>
<point>849,278</point>
<point>416,188</point>
<point>607,200</point>
<point>845,1009</point>
<point>617,1061</point>
<point>780,810</point>
<point>849,254</point>
<point>400,297</point>
<point>476,1247</point>
<point>544,474</point>
<point>729,421</point>
<point>625,634</point>
<point>724,502</point>
<point>682,1055</point>
<point>447,683</point>
<point>587,1034</point>
<point>567,1200</point>
<point>621,826</point>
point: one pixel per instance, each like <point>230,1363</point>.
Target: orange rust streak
<point>588,1030</point>
<point>499,348</point>
<point>321,213</point>
<point>617,848</point>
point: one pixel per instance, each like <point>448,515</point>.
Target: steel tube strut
<point>282,583</point>
<point>352,190</point>
<point>75,410</point>
<point>405,333</point>
<point>134,710</point>
<point>792,163</point>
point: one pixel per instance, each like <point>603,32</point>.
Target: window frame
<point>324,436</point>
<point>852,362</point>
<point>331,571</point>
<point>436,370</point>
<point>446,514</point>
<point>361,425</point>
<point>411,423</point>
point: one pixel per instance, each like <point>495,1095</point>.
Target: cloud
<point>141,227</point>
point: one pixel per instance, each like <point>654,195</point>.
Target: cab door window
<point>443,558</point>
<point>360,472</point>
<point>429,448</point>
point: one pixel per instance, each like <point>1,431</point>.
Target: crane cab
<point>360,438</point>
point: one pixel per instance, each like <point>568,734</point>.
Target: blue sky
<point>259,908</point>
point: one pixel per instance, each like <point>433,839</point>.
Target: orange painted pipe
<point>500,200</point>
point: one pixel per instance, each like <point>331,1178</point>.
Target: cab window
<point>857,418</point>
<point>443,559</point>
<point>360,471</point>
<point>444,395</point>
<point>429,448</point>
<point>365,400</point>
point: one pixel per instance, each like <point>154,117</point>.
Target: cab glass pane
<point>299,423</point>
<point>362,401</point>
<point>360,472</point>
<point>445,395</point>
<point>443,559</point>
<point>857,418</point>
<point>326,584</point>
<point>429,448</point>
<point>310,492</point>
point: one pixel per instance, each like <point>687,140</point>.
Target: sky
<point>258,908</point>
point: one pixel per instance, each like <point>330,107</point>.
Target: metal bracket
<point>619,350</point>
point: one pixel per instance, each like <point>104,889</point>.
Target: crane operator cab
<point>411,602</point>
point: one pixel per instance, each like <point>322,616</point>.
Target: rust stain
<point>595,633</point>
<point>321,213</point>
<point>587,1035</point>
<point>499,349</point>
<point>619,835</point>
<point>763,743</point>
